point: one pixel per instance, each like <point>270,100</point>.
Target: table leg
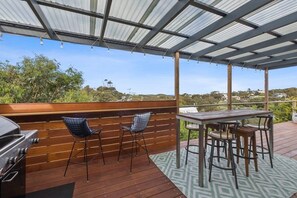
<point>271,138</point>
<point>201,154</point>
<point>177,143</point>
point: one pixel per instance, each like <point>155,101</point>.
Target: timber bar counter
<point>203,118</point>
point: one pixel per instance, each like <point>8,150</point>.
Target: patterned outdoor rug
<point>280,181</point>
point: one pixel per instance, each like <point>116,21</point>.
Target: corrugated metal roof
<point>273,47</point>
<point>197,46</point>
<point>226,5</point>
<point>220,52</point>
<point>157,41</point>
<point>18,12</point>
<point>159,12</point>
<point>63,20</point>
<point>82,4</point>
<point>130,10</point>
<point>240,55</point>
<point>228,32</point>
<point>199,29</point>
<point>287,29</point>
<point>275,10</point>
<point>254,40</point>
<point>200,23</point>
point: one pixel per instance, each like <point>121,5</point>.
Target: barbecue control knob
<point>12,160</point>
<point>35,140</point>
<point>23,151</point>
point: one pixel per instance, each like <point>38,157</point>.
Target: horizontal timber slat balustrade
<point>55,140</point>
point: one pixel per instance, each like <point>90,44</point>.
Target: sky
<point>137,73</point>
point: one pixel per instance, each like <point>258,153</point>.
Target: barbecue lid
<point>8,127</point>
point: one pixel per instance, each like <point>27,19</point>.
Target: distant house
<point>236,97</point>
<point>188,110</point>
<point>279,95</point>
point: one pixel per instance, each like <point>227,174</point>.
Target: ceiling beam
<point>229,18</point>
<point>266,53</point>
<point>93,8</point>
<point>41,17</point>
<point>169,16</point>
<point>250,34</point>
<point>105,18</point>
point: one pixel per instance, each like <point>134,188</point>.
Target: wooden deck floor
<point>115,180</point>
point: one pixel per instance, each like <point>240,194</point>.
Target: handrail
<point>86,111</point>
<point>239,103</point>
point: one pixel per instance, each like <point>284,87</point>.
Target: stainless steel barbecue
<point>14,145</point>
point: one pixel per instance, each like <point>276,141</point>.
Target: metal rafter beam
<point>275,24</point>
<point>93,8</point>
<point>41,17</point>
<point>170,15</point>
<point>266,53</point>
<point>229,18</point>
<point>105,18</point>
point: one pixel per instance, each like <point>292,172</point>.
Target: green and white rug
<point>277,182</point>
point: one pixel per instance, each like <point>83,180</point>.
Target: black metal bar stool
<point>136,130</point>
<point>79,129</point>
<point>264,124</point>
<point>226,134</point>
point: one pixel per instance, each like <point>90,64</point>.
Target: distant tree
<point>37,79</point>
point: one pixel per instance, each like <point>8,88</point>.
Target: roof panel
<point>287,29</point>
<point>130,10</point>
<point>118,31</point>
<point>139,35</point>
<point>197,46</point>
<point>159,12</point>
<point>18,12</point>
<point>272,11</point>
<point>256,59</point>
<point>200,23</point>
<point>225,5</point>
<point>240,55</point>
<point>82,4</point>
<point>67,21</point>
<point>184,18</point>
<point>227,32</point>
<point>165,40</point>
<point>98,27</point>
<point>284,53</point>
<point>220,52</point>
<point>172,41</point>
<point>254,40</point>
<point>273,47</point>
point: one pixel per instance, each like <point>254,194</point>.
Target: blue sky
<point>139,74</point>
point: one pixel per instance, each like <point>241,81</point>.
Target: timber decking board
<point>115,180</point>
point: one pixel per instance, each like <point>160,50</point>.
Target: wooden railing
<point>55,140</point>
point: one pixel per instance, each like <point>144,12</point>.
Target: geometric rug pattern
<point>277,182</point>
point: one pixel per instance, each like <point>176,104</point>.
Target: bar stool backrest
<point>265,122</point>
<point>228,129</point>
<point>140,122</point>
<point>78,127</point>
